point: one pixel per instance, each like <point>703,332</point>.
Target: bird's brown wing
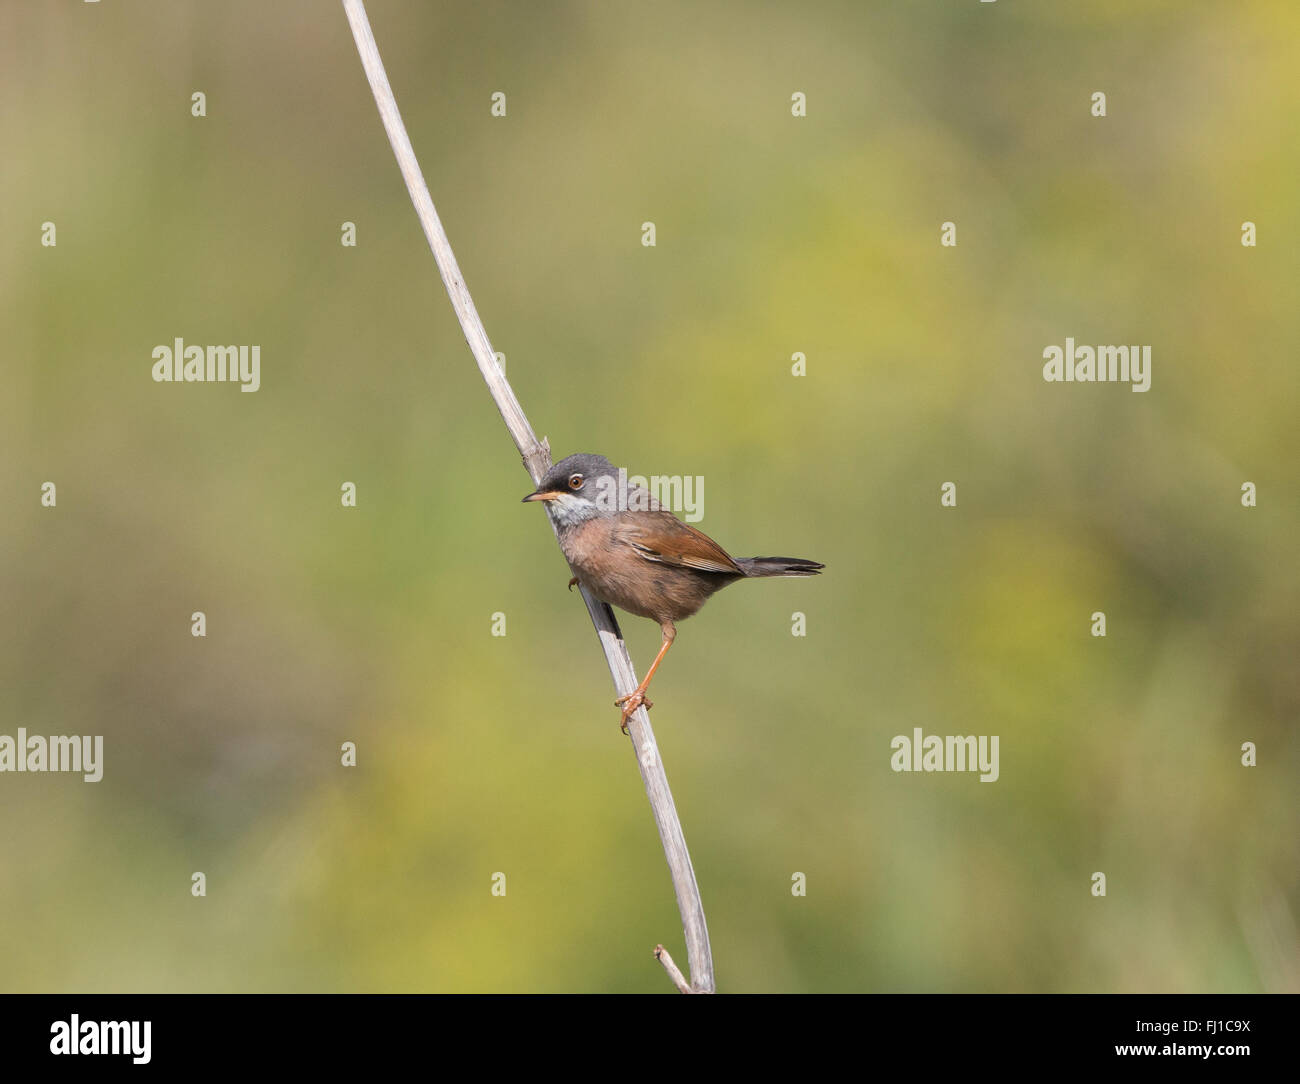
<point>662,537</point>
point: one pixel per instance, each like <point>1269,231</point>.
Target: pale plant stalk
<point>537,458</point>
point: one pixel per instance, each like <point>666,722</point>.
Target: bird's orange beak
<point>547,495</point>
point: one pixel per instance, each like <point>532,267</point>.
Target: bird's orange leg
<point>637,699</point>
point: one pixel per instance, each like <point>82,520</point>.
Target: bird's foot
<point>630,703</point>
<point>573,583</point>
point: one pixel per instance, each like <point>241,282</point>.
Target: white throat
<point>568,510</point>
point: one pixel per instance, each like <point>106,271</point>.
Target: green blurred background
<point>480,754</point>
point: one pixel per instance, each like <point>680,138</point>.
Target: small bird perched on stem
<point>628,551</point>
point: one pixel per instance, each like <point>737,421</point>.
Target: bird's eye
<point>575,481</point>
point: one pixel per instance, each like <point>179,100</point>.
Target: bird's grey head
<point>579,487</point>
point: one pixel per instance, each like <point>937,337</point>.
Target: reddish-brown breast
<point>650,564</point>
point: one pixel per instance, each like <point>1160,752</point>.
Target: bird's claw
<point>573,583</point>
<point>629,704</point>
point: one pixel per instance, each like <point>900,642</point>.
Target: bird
<point>632,553</point>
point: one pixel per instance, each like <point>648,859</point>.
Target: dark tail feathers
<point>778,566</point>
